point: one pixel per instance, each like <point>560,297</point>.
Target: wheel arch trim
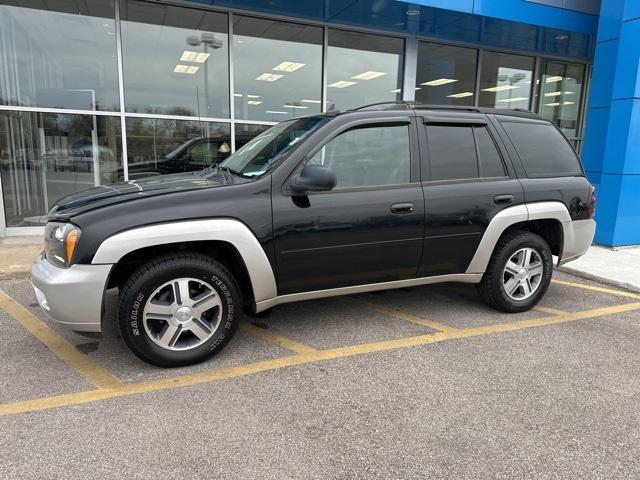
<point>231,231</point>
<point>510,216</point>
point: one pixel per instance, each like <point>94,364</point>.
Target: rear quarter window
<point>542,149</point>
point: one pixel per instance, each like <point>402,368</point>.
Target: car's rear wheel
<point>518,273</point>
<point>179,309</point>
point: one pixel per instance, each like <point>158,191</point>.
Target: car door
<point>467,180</point>
<point>370,227</point>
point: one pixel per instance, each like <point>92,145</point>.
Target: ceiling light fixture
<point>554,104</point>
<point>254,102</point>
<point>461,95</point>
<point>292,105</point>
<point>341,84</point>
<point>439,81</point>
<point>275,111</point>
<point>513,99</point>
<point>188,69</point>
<point>397,90</point>
<point>310,101</point>
<point>500,88</point>
<point>253,96</point>
<point>368,75</point>
<point>288,66</point>
<point>196,57</point>
<point>269,77</point>
<point>556,78</point>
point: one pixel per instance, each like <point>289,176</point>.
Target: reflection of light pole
<point>206,39</point>
<point>94,136</point>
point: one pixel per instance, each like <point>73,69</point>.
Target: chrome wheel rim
<point>522,275</point>
<point>182,314</point>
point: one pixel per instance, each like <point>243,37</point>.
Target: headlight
<point>60,240</point>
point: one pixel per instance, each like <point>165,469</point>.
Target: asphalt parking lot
<point>424,382</point>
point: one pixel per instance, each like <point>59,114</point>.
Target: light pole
<point>206,39</point>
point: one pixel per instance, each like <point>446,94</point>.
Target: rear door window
<point>542,149</point>
<point>461,152</point>
<point>452,152</point>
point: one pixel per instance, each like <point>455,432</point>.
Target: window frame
<point>414,161</point>
<point>473,122</point>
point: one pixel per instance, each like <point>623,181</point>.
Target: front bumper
<point>71,296</point>
<point>578,237</point>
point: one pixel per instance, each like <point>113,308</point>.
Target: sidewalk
<point>619,267</point>
<point>16,255</point>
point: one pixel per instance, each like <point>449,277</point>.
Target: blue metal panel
<point>596,134</point>
<point>617,211</point>
<point>622,152</point>
<point>602,77</point>
<point>613,130</point>
<point>522,11</point>
<point>610,18</point>
<point>631,10</point>
<point>627,79</point>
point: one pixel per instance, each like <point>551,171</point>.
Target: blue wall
<point>612,140</point>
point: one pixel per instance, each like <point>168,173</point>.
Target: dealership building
<point>94,92</point>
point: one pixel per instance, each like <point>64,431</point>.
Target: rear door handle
<point>503,199</point>
<point>402,208</point>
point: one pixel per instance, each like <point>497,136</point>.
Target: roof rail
<point>397,103</point>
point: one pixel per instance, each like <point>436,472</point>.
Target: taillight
<point>591,202</point>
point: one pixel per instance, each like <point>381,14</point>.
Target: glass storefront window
<point>246,132</point>
<point>59,55</point>
<point>446,75</point>
<point>277,69</point>
<point>46,156</point>
<point>505,80</point>
<point>175,60</point>
<point>560,93</point>
<point>159,146</point>
<point>363,69</point>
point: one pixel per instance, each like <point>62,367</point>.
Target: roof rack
<point>408,105</point>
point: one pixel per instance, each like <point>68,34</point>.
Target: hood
<point>106,195</point>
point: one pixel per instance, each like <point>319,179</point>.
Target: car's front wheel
<point>179,309</point>
<point>518,273</point>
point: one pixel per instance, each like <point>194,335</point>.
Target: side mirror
<point>314,178</point>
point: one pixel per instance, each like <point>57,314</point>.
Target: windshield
<point>263,152</point>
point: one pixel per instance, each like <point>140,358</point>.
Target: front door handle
<point>402,208</point>
<point>503,199</point>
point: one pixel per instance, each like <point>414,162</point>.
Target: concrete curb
<point>599,278</point>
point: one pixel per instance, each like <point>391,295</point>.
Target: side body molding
<point>223,229</point>
<point>518,213</point>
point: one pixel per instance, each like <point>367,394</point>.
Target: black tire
<point>491,287</point>
<point>152,275</point>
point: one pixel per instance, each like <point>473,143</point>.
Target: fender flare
<point>227,230</point>
<point>518,214</point>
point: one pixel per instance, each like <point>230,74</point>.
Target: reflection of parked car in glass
<point>195,154</point>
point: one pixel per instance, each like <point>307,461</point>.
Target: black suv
<point>381,197</point>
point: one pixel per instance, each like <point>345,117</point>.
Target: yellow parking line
<point>58,345</point>
<point>392,312</point>
<point>279,340</point>
<point>610,291</point>
<point>549,310</point>
<point>299,359</point>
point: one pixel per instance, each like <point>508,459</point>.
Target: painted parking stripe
<point>279,340</point>
<point>392,312</point>
<point>58,345</point>
<point>610,291</point>
<point>299,359</point>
